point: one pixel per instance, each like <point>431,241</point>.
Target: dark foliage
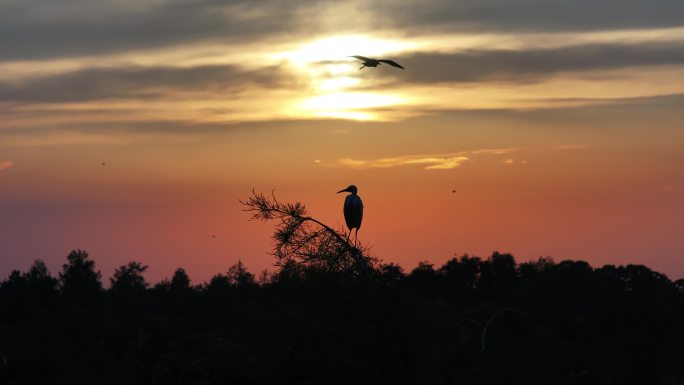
<point>128,279</point>
<point>470,321</point>
<point>79,279</point>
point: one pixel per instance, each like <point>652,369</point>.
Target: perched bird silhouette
<point>368,62</point>
<point>353,209</point>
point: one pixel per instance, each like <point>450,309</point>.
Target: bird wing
<point>361,57</point>
<point>392,63</point>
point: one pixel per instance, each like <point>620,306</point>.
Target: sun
<point>336,88</point>
<point>339,47</point>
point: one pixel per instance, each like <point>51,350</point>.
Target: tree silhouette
<point>219,282</point>
<point>424,278</point>
<point>37,279</point>
<point>391,274</point>
<point>461,277</point>
<point>497,276</point>
<point>468,321</point>
<point>128,279</point>
<point>302,239</point>
<point>180,282</point>
<point>78,278</point>
<point>239,277</point>
<point>38,274</point>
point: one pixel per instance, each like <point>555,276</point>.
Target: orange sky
<point>562,139</point>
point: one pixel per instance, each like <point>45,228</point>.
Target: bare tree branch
<point>304,240</point>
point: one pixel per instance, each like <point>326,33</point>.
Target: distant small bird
<point>213,236</point>
<point>353,209</point>
<point>368,62</point>
<point>104,164</point>
<point>453,191</point>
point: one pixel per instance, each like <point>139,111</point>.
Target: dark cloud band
<point>35,29</point>
<point>41,29</point>
<point>135,82</point>
<point>529,65</point>
<point>430,16</point>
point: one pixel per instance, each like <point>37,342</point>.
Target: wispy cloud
<point>514,161</point>
<point>5,164</point>
<point>429,161</point>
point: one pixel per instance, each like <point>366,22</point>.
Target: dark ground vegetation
<point>470,321</point>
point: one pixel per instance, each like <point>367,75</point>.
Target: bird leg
<point>356,236</point>
<point>362,67</point>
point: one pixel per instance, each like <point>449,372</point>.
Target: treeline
<point>469,321</point>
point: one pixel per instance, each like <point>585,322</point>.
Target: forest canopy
<point>471,320</point>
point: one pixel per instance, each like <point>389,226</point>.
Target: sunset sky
<point>560,124</point>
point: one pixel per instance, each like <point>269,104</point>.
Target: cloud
<point>5,164</point>
<point>430,162</point>
<point>509,161</point>
<point>28,125</point>
<point>525,65</point>
<point>353,163</point>
<point>48,29</point>
<point>138,82</point>
<point>527,15</point>
<point>40,29</point>
<point>448,163</point>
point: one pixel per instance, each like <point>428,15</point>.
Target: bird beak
<point>341,191</point>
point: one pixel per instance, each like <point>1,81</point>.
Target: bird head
<point>351,189</point>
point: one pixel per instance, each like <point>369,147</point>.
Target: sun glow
<point>334,77</point>
<point>338,83</point>
<point>336,48</point>
<point>350,105</point>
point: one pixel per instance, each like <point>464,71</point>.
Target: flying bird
<point>353,209</point>
<point>368,62</point>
